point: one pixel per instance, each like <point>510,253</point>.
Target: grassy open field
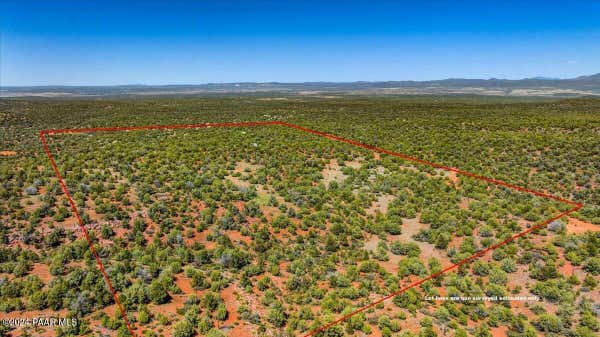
<point>270,231</point>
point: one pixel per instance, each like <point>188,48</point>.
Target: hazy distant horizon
<point>273,82</point>
<point>109,43</point>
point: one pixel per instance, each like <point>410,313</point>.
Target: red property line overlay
<point>44,133</point>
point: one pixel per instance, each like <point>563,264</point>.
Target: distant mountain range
<point>536,86</point>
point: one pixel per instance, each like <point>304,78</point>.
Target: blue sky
<point>191,42</point>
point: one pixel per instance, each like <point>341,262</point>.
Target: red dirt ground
<point>185,284</point>
<point>576,226</point>
<point>499,331</point>
<point>239,327</point>
<point>42,271</point>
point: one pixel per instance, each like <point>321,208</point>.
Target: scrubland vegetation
<point>268,231</point>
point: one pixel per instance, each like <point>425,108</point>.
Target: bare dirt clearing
<point>333,172</point>
<point>381,204</point>
<point>7,153</point>
<point>576,226</point>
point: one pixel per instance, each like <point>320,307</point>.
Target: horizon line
<point>538,78</point>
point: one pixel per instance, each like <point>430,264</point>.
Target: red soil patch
<point>42,271</point>
<point>110,310</point>
<point>236,236</point>
<point>567,268</point>
<point>499,331</point>
<point>169,309</point>
<point>375,332</point>
<point>231,304</point>
<point>576,226</point>
<point>200,238</point>
<point>453,177</point>
<point>242,330</point>
<point>185,284</point>
<point>239,204</point>
<point>239,328</point>
<point>243,167</point>
<point>219,212</point>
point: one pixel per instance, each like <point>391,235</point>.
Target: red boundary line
<point>43,133</point>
